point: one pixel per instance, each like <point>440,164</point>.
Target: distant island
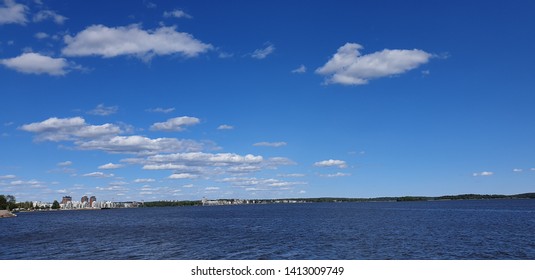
<point>206,202</point>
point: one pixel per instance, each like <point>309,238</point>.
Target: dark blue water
<point>479,229</point>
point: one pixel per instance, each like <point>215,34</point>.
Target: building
<point>66,199</point>
<point>92,200</point>
<point>84,199</point>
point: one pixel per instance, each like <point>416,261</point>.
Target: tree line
<point>9,202</point>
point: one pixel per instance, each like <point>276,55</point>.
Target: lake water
<point>477,229</point>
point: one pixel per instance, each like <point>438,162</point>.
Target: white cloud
<point>175,124</point>
<point>517,170</point>
<point>207,163</point>
<point>48,14</point>
<point>270,144</point>
<point>274,161</point>
<point>112,188</point>
<point>144,180</point>
<point>243,169</point>
<point>110,166</point>
<point>300,70</point>
<point>349,67</point>
<point>95,131</point>
<point>338,174</point>
<point>34,63</point>
<point>225,54</point>
<point>150,5</point>
<point>41,35</point>
<point>136,144</point>
<point>100,40</point>
<point>331,163</point>
<point>183,176</point>
<point>259,183</point>
<point>13,13</point>
<point>9,176</point>
<point>102,110</point>
<point>291,175</point>
<point>98,175</point>
<point>484,173</point>
<point>263,53</point>
<point>176,14</point>
<point>203,159</point>
<point>55,129</point>
<point>225,127</point>
<point>165,166</point>
<point>161,110</point>
<point>53,124</point>
<point>104,137</point>
<point>65,163</point>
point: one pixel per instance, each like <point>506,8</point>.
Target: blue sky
<point>179,100</point>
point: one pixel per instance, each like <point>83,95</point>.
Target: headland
<point>6,214</point>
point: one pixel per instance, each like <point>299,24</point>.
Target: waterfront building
<point>92,200</point>
<point>40,204</point>
<point>84,199</point>
<point>66,199</point>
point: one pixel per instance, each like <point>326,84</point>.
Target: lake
<point>468,229</point>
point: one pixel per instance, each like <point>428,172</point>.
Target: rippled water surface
<point>479,229</point>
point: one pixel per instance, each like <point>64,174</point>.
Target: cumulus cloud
<point>205,163</point>
<point>30,183</point>
<point>484,173</point>
<point>263,53</point>
<point>259,183</point>
<point>12,12</point>
<point>100,40</point>
<point>337,174</point>
<point>270,144</point>
<point>144,180</point>
<point>331,163</point>
<point>161,110</point>
<point>225,127</point>
<point>204,159</point>
<point>48,14</point>
<point>136,144</point>
<point>165,166</point>
<point>102,110</point>
<point>105,137</point>
<point>150,5</point>
<point>110,166</point>
<point>34,63</point>
<point>41,35</point>
<point>56,129</point>
<point>291,175</point>
<point>65,163</point>
<point>98,175</point>
<point>176,14</point>
<point>349,67</point>
<point>300,70</point>
<point>175,124</point>
<point>183,176</point>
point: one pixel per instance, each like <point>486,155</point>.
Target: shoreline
<point>6,214</point>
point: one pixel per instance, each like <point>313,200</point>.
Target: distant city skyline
<point>160,100</point>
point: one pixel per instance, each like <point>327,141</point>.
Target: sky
<point>180,100</point>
